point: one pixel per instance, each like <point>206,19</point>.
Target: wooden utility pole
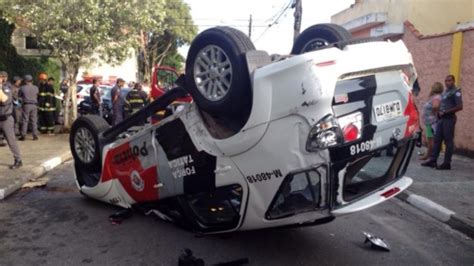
<point>250,27</point>
<point>298,5</point>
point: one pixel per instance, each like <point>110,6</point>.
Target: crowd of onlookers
<point>26,107</point>
<point>123,104</point>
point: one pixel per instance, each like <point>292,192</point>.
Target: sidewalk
<point>39,157</point>
<point>446,195</point>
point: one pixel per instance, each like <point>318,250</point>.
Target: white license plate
<point>387,111</point>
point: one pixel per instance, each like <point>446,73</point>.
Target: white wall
<point>128,70</point>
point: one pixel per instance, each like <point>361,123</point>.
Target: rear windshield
<point>368,173</point>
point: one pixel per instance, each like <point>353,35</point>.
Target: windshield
<point>105,92</point>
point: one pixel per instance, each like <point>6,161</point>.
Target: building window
<point>31,43</point>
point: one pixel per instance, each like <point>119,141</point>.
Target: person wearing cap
<point>29,116</point>
<point>117,102</point>
<point>46,106</point>
<point>16,103</point>
<point>7,123</point>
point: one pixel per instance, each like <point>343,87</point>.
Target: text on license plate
<point>387,111</point>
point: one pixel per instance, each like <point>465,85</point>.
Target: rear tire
<point>217,75</point>
<point>85,142</point>
<point>319,36</point>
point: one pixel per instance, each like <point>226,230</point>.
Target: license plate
<point>387,111</point>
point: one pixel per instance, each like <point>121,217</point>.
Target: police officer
<point>135,100</point>
<point>29,116</point>
<point>47,106</point>
<point>16,103</point>
<point>7,123</point>
<point>95,97</point>
<point>117,102</point>
<point>6,84</point>
<point>451,102</point>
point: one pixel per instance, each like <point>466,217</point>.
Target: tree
<point>160,46</point>
<point>74,30</point>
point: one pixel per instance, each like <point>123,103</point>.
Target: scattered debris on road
<point>40,182</point>
<point>118,217</point>
<point>187,259</point>
<point>376,242</point>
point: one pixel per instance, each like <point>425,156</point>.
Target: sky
<point>277,38</point>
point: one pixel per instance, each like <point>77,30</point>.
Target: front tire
<point>85,142</point>
<point>217,75</point>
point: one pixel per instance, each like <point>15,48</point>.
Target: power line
<point>232,19</point>
<point>214,25</point>
<point>282,9</point>
<point>275,21</point>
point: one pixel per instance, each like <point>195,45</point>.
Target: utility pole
<point>250,27</point>
<point>298,6</point>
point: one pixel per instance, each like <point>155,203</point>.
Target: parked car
<point>85,107</point>
<point>288,142</point>
<point>83,91</point>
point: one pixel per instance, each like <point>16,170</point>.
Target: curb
<point>438,212</point>
<point>35,173</point>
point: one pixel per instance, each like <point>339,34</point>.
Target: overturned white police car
<point>269,141</point>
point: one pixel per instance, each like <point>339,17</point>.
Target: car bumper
<point>375,198</point>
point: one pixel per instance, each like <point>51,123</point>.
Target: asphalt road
<point>55,225</point>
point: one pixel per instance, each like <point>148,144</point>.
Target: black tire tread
<point>339,30</point>
<point>341,34</point>
<point>99,122</point>
<point>237,44</point>
<point>99,125</point>
<point>239,37</point>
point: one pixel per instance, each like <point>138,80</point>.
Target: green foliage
<point>174,60</point>
<point>17,65</point>
<point>43,64</point>
<point>74,30</point>
<point>160,47</point>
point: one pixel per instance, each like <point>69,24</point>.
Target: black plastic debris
<point>238,262</point>
<point>376,242</point>
<point>118,217</point>
<point>187,259</point>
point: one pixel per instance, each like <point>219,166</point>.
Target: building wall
<point>436,16</point>
<point>127,70</point>
<point>19,41</point>
<point>466,119</point>
<point>361,33</point>
<point>397,11</point>
<point>432,58</point>
<point>429,16</point>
